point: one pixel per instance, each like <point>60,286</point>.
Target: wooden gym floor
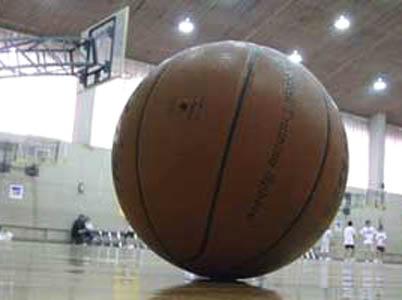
<point>31,271</point>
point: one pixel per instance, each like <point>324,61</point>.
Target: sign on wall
<point>16,191</point>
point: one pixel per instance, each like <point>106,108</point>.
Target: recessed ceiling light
<point>295,57</point>
<point>186,26</point>
<point>379,84</point>
<point>342,23</point>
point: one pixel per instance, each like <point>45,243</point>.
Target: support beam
<point>83,116</point>
<point>36,56</point>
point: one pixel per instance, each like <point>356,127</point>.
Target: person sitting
<point>81,231</point>
<point>89,232</point>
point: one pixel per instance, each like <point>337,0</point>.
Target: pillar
<point>377,128</point>
<point>83,116</point>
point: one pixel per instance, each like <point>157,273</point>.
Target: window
<point>393,160</point>
<point>110,99</point>
<point>40,106</point>
<point>357,133</point>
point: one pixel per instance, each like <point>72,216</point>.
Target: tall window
<point>40,106</point>
<point>110,99</point>
<point>357,133</point>
<point>393,160</point>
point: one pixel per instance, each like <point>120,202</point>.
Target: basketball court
<point>38,271</point>
<point>222,149</point>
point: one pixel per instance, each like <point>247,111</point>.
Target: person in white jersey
<point>380,238</point>
<point>368,233</point>
<point>325,244</point>
<point>349,235</point>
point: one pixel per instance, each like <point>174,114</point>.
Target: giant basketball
<point>229,160</point>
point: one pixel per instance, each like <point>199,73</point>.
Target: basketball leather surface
<point>229,160</point>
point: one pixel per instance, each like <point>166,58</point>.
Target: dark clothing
<point>79,232</point>
<point>381,249</point>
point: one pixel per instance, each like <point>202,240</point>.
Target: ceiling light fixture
<point>342,23</point>
<point>295,57</point>
<point>379,84</point>
<point>186,26</point>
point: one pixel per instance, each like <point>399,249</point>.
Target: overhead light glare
<point>379,84</point>
<point>186,26</point>
<point>342,23</point>
<point>295,57</point>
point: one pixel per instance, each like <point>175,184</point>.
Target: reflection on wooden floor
<point>62,272</point>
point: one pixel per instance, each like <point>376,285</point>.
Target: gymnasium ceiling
<point>346,62</point>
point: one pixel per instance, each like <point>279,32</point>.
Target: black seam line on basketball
<point>252,56</point>
<point>137,169</point>
<point>306,203</point>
